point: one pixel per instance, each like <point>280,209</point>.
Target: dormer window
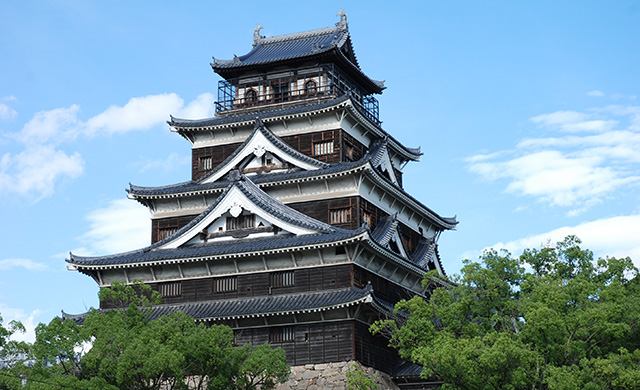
<point>310,88</point>
<point>251,96</point>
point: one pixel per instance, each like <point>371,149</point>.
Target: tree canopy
<point>553,318</point>
<point>124,349</point>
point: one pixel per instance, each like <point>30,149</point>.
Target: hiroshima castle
<point>295,228</point>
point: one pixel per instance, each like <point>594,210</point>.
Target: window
<point>282,279</point>
<point>225,284</point>
<point>368,219</point>
<point>206,163</point>
<point>172,289</point>
<point>166,232</point>
<point>322,148</point>
<point>283,334</point>
<point>340,215</point>
<point>251,96</point>
<point>310,87</point>
<point>280,92</point>
<point>241,222</point>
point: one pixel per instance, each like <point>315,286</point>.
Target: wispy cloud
<point>27,319</point>
<point>592,155</point>
<point>7,112</point>
<point>169,163</point>
<point>42,163</point>
<point>614,237</point>
<point>120,226</point>
<point>595,93</point>
<point>30,265</point>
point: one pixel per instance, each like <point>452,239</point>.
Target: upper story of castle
<point>293,69</point>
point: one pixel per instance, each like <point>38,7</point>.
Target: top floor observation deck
<point>292,87</point>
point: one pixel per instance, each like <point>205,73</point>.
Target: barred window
<point>322,148</point>
<point>241,222</point>
<point>166,232</point>
<point>225,284</point>
<point>340,215</point>
<point>171,289</point>
<point>206,163</point>
<point>283,334</point>
<point>368,218</point>
<point>282,279</point>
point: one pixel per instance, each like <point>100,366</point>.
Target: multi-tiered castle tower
<point>295,228</point>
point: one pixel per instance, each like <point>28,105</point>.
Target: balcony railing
<point>327,84</point>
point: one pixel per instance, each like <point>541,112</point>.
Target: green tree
<point>124,349</point>
<point>551,319</point>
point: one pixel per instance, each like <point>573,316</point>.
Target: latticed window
<point>171,289</point>
<point>206,163</point>
<point>322,148</point>
<point>340,215</point>
<point>166,232</point>
<point>225,284</point>
<point>368,218</point>
<point>284,334</point>
<point>241,222</point>
<point>282,279</point>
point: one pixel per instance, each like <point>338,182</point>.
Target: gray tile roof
<point>385,229</point>
<point>331,41</point>
<point>276,141</point>
<point>264,305</point>
<point>425,249</point>
<point>326,233</point>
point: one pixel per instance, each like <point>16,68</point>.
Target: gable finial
<point>256,35</point>
<point>343,19</point>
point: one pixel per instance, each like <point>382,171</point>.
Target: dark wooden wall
<point>373,351</point>
<point>257,285</point>
<point>321,209</point>
<point>345,148</point>
<point>312,343</point>
<point>168,223</point>
<point>384,289</point>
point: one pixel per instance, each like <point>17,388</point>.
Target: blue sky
<point>528,114</point>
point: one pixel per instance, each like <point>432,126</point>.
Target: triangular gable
<point>387,235</point>
<point>382,161</point>
<point>263,150</point>
<point>226,218</point>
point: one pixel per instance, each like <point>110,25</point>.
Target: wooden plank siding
<point>173,223</point>
<point>345,148</point>
<point>373,351</point>
<point>311,343</point>
<point>383,288</point>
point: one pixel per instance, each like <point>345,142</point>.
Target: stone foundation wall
<point>330,376</point>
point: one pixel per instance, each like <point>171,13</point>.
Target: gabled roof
<point>240,194</point>
<point>260,141</point>
<point>331,42</point>
<point>386,232</point>
<point>380,159</point>
<point>185,127</point>
<point>264,180</point>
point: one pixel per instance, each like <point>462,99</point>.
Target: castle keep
<point>295,228</point>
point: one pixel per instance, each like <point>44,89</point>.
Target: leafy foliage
<point>123,349</point>
<point>551,319</point>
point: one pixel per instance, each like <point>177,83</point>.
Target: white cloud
<point>30,265</point>
<point>575,171</point>
<point>139,113</point>
<point>7,112</point>
<point>166,164</point>
<point>41,164</point>
<point>27,319</point>
<point>36,170</point>
<point>614,237</point>
<point>595,93</point>
<point>121,226</point>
